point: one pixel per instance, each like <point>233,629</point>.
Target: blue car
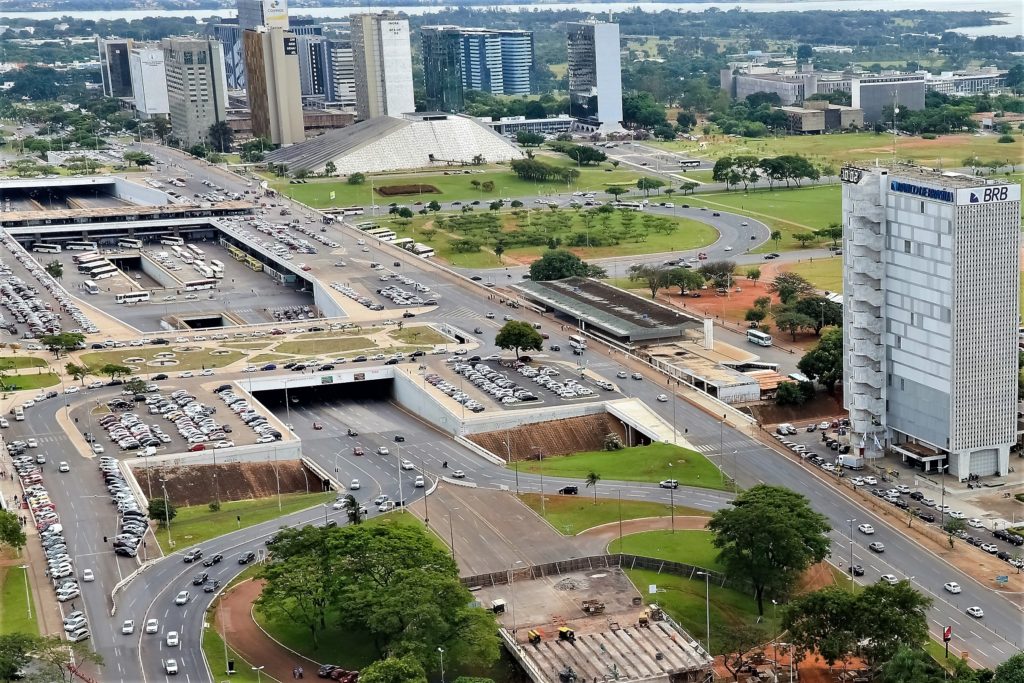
<point>269,366</point>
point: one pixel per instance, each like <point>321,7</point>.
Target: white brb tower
<point>931,294</point>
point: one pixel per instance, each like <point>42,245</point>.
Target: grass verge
<point>213,648</point>
<point>335,345</point>
<point>421,335</point>
<point>15,603</point>
<point>825,274</point>
<point>641,463</point>
<point>684,600</point>
<point>686,546</point>
<point>187,360</point>
<point>196,523</point>
<point>23,382</point>
<point>20,362</point>
<point>573,514</point>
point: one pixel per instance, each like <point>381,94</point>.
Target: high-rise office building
<point>931,278</point>
<point>517,61</point>
<point>874,93</point>
<point>256,13</point>
<point>272,84</point>
<point>341,79</point>
<point>442,68</point>
<point>313,65</point>
<point>149,81</point>
<point>196,87</point>
<point>595,75</point>
<point>456,59</point>
<point>115,70</point>
<point>229,33</point>
<point>382,57</point>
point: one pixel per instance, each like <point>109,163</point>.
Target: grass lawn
<point>14,610</point>
<point>195,523</point>
<point>825,274</point>
<point>23,382</point>
<point>268,358</point>
<point>420,335</point>
<point>19,362</point>
<point>245,346</point>
<point>684,600</point>
<point>640,463</point>
<point>789,211</point>
<point>573,514</point>
<point>686,546</point>
<point>213,648</point>
<point>938,652</point>
<point>946,151</point>
<point>188,360</point>
<point>335,345</point>
<point>316,192</point>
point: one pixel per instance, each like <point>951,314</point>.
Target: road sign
<point>947,634</point>
<point>1003,579</point>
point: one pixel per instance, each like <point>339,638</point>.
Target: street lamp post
<point>851,522</point>
<point>707,608</point>
<point>512,588</point>
<point>441,652</point>
<point>258,669</point>
<point>672,507</point>
<point>451,531</point>
<point>28,595</point>
<point>167,513</point>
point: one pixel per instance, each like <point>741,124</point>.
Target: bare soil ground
<point>237,481</point>
<point>821,407</point>
<point>555,437</point>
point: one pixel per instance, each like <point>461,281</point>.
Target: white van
<point>19,414</point>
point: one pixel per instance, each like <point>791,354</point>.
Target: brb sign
<point>988,195</point>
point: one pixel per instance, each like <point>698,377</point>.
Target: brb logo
<point>991,194</point>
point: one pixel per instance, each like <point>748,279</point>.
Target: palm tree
<point>592,480</point>
<point>352,509</point>
<point>776,236</point>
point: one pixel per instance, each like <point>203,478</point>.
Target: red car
<point>196,447</point>
<point>357,450</point>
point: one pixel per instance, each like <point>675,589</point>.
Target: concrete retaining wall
<point>506,419</point>
<point>407,393</point>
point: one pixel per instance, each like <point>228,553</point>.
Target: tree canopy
<point>824,363</point>
<point>517,335</point>
<point>557,264</point>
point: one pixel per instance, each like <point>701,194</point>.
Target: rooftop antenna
<point>895,111</point>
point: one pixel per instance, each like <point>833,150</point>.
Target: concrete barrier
<point>479,450</point>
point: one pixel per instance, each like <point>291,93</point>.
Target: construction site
<point>589,624</point>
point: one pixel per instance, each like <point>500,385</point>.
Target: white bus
<point>90,287</point>
<point>196,285</point>
<point>92,266</point>
<point>758,337</point>
<point>80,246</point>
<point>172,241</point>
<point>103,273</point>
<point>216,265</point>
<point>351,211</point>
<point>46,248</point>
<point>131,244</point>
<point>578,340</point>
<point>178,251</point>
<point>422,250</point>
<point>132,297</point>
<point>87,257</point>
<point>197,252</point>
<point>204,270</point>
<point>383,234</point>
<point>635,206</point>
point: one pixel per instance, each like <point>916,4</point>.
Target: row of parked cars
<point>129,432</point>
<point>265,432</point>
<point>362,299</point>
<point>134,521</point>
<point>193,419</point>
<point>545,377</point>
<point>494,383</point>
<point>402,297</point>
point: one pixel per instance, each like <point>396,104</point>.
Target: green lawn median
<point>641,463</point>
<point>213,648</point>
<point>17,613</point>
<point>197,523</point>
<point>688,546</point>
<point>572,514</point>
<point>25,382</point>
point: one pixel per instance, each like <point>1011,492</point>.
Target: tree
<point>615,191</point>
<point>10,531</point>
<point>592,479</point>
<point>890,616</point>
<point>528,139</point>
<point>776,236</point>
<point>793,393</point>
<point>910,665</point>
<point>769,535</point>
<point>824,363</point>
<point>718,272</point>
<point>113,370</point>
<point>65,341</point>
<point>653,276</point>
<point>1012,670</point>
<point>162,128</point>
<point>834,232</point>
<point>330,169</point>
<point>740,641</point>
<point>299,585</point>
<point>754,274</point>
<point>586,155</point>
<point>804,238</point>
<point>352,509</point>
<point>55,269</point>
<point>518,336</point>
<point>356,179</point>
<point>685,279</point>
<point>685,120</point>
<point>755,315</point>
<point>136,385</point>
<point>648,184</point>
<point>821,622</point>
<point>804,52</point>
<point>499,249</point>
<point>221,136</point>
<point>163,511</point>
<point>557,264</point>
<point>789,286</point>
<point>77,371</point>
<point>688,186</point>
<point>394,669</point>
<point>793,322</point>
<point>15,652</point>
<point>823,311</point>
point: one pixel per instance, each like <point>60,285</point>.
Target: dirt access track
<point>199,484</point>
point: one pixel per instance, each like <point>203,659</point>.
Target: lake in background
<point>1013,9</point>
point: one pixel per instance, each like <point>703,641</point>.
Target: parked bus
<point>635,206</point>
<point>93,266</point>
<point>46,248</point>
<point>103,273</point>
<point>216,265</point>
<point>758,337</point>
<point>351,211</point>
<point>178,251</point>
<point>130,244</point>
<point>88,257</point>
<point>690,163</point>
<point>382,234</point>
<point>80,246</point>
<point>578,340</point>
<point>171,241</point>
<point>422,250</point>
<point>204,270</point>
<point>196,285</point>
<point>132,297</point>
<point>197,252</point>
<point>90,287</point>
<point>404,243</point>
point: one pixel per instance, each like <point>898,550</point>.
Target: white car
<point>171,667</point>
<point>32,443</point>
<point>870,481</point>
<point>71,390</point>
<point>825,424</point>
<point>172,639</point>
<point>889,579</point>
<point>419,483</point>
<point>458,474</point>
<point>95,385</point>
<point>128,627</point>
<point>866,529</point>
<point>383,450</point>
<point>63,467</point>
<point>976,612</point>
<point>975,523</point>
<point>952,587</point>
<point>206,373</point>
<point>957,514</point>
<point>186,374</point>
<point>97,448</point>
<point>354,485</point>
<point>406,465</point>
<point>662,398</point>
<point>181,598</point>
<point>152,626</point>
<point>87,575</point>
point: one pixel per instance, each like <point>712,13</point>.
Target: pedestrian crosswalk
<point>715,448</point>
<point>459,312</point>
